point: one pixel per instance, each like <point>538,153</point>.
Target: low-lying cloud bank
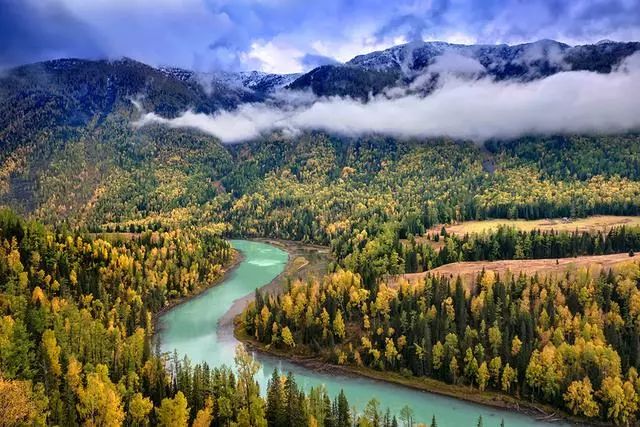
<point>569,102</point>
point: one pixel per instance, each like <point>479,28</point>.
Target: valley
<point>200,329</point>
<point>427,233</point>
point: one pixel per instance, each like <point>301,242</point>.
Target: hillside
<point>70,152</point>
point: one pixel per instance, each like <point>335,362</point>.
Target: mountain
<point>401,65</point>
<point>68,148</point>
<point>243,81</point>
<point>82,88</point>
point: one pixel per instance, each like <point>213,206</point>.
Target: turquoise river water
<point>194,329</point>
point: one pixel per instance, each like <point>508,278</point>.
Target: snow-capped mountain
<point>254,81</point>
<point>524,61</point>
<point>414,66</point>
<point>529,60</point>
<point>422,63</point>
<point>411,68</point>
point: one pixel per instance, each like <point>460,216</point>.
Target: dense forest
<point>507,243</point>
<point>76,319</point>
<point>571,341</point>
<point>357,195</point>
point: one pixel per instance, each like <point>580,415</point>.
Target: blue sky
<point>289,35</point>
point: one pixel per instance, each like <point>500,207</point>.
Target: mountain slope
<point>401,65</point>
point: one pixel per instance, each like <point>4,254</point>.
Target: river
<point>201,329</point>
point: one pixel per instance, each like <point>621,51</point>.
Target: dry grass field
<point>469,270</point>
<point>593,223</point>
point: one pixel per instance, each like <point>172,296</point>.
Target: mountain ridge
<point>372,72</point>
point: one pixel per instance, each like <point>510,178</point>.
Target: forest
<point>571,341</point>
<point>83,278</point>
<point>76,320</point>
<point>507,243</point>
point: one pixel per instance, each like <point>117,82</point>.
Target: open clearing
<point>543,267</point>
<point>590,224</point>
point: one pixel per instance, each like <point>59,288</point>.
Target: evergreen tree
<point>275,413</point>
<point>343,410</point>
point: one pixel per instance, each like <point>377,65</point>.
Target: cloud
<point>274,58</point>
<point>310,61</point>
<point>450,62</point>
<point>249,34</point>
<point>31,32</point>
<point>568,102</point>
<point>247,122</point>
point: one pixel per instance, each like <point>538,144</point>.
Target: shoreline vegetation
<point>493,399</point>
<point>235,262</point>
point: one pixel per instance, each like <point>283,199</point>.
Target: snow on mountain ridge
<point>413,58</point>
<point>242,80</point>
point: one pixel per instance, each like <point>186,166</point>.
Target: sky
<point>290,36</point>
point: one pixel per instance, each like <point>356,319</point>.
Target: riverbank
<point>303,261</point>
<point>317,363</point>
<point>492,399</point>
<point>236,260</point>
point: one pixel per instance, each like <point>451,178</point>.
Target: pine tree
<point>275,398</point>
<point>343,410</point>
<point>295,414</point>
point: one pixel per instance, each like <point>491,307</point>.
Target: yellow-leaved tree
<point>173,412</point>
<point>99,402</point>
<point>579,398</point>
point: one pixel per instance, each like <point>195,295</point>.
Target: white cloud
<point>273,57</point>
<point>568,102</point>
<point>246,122</point>
<point>450,62</point>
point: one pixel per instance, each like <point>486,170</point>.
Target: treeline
<point>218,396</point>
<point>187,395</point>
<point>76,316</point>
<point>572,342</point>
<point>510,243</point>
